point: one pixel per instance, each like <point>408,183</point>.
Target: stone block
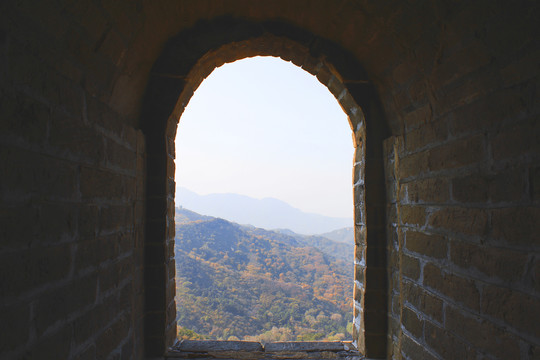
<point>112,337</point>
<point>460,63</point>
<point>54,345</point>
<point>518,310</point>
<point>447,345</point>
<point>417,117</point>
<point>216,345</point>
<point>534,180</point>
<point>23,117</point>
<point>15,320</point>
<point>118,155</point>
<point>412,323</point>
<point>410,267</point>
<point>503,263</point>
<point>427,303</point>
<point>39,266</point>
<point>58,304</point>
<point>466,221</point>
<point>411,349</point>
<point>111,276</point>
<point>482,334</point>
<point>412,215</point>
<point>432,190</point>
<point>303,346</point>
<point>97,183</point>
<point>413,165</point>
<point>29,173</point>
<point>431,245</point>
<point>457,154</point>
<point>426,135</point>
<point>70,137</point>
<point>516,225</point>
<point>518,140</point>
<point>470,189</point>
<point>17,226</point>
<point>115,218</point>
<point>457,288</point>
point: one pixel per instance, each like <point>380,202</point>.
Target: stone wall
<point>455,82</point>
<point>463,214</point>
<point>71,190</point>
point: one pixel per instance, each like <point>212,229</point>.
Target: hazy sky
<point>263,127</point>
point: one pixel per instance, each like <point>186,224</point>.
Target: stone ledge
<point>217,349</point>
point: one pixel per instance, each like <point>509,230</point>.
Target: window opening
<point>236,279</point>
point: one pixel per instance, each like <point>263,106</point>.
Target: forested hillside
<point>238,282</point>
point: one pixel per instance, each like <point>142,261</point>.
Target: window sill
<point>216,349</point>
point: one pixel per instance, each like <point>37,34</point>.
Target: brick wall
<point>463,223</point>
<point>458,87</point>
<point>71,189</point>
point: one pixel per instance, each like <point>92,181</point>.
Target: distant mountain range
<point>267,213</point>
<point>243,282</point>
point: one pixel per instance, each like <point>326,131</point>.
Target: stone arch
<point>184,63</point>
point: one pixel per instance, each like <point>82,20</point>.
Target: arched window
<point>184,63</point>
<point>263,128</point>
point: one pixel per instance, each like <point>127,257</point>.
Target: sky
<point>263,127</point>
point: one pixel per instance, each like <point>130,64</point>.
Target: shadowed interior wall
<point>458,86</point>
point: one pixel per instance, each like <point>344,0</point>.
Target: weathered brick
<point>115,218</point>
<point>534,180</point>
<point>537,275</point>
<point>25,270</point>
<point>414,215</point>
<point>460,220</point>
<point>93,252</point>
<point>14,233</point>
<point>432,190</point>
<point>101,184</point>
<point>520,139</point>
<point>411,349</point>
<point>413,165</point>
<point>412,323</point>
<point>426,244</point>
<point>112,337</point>
<point>95,319</point>
<point>482,334</point>
<point>75,138</point>
<point>23,117</point>
<point>88,353</point>
<point>58,304</point>
<point>509,185</point>
<point>417,117</point>
<point>56,222</point>
<point>503,263</point>
<point>520,225</point>
<point>15,320</point>
<point>446,345</point>
<point>457,153</point>
<point>471,188</point>
<point>455,287</point>
<point>431,133</point>
<point>427,303</point>
<point>410,267</point>
<point>111,276</point>
<point>460,63</point>
<point>35,174</point>
<point>518,310</point>
<point>54,345</point>
<point>119,155</point>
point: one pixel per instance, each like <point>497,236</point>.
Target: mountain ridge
<point>242,282</point>
<point>267,213</point>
